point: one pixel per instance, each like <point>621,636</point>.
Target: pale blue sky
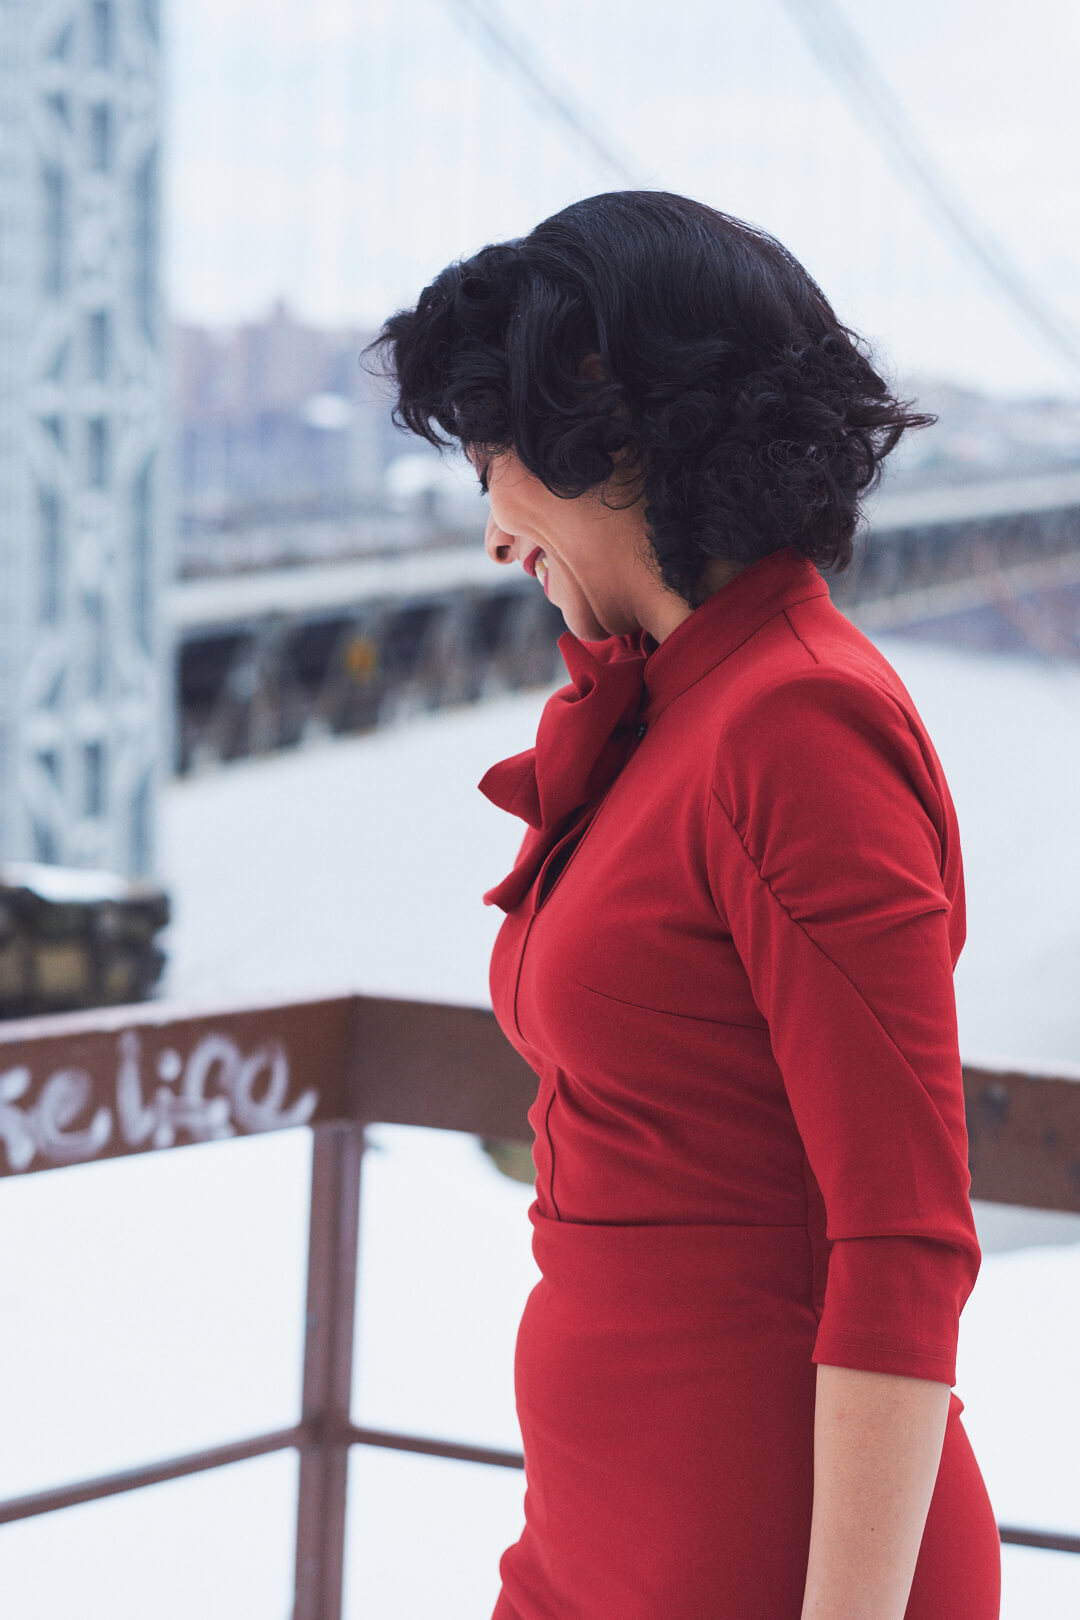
<point>339,152</point>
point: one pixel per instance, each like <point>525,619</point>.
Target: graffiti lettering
<point>216,1092</point>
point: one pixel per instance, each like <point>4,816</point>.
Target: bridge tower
<point>83,700</point>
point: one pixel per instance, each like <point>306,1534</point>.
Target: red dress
<point>728,955</point>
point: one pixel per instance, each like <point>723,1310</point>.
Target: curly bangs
<point>751,417</point>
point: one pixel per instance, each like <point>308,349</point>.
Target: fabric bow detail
<point>582,741</point>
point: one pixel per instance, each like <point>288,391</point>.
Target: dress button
<point>641,730</point>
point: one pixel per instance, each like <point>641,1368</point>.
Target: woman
<point>728,945</point>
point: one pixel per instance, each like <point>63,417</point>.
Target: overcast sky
<point>338,153</point>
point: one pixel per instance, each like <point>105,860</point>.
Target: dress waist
<point>741,1287</point>
<point>721,1272</point>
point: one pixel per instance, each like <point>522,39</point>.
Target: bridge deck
<point>316,588</point>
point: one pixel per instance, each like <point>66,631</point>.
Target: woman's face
<point>590,559</point>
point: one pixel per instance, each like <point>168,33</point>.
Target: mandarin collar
<point>713,631</point>
<point>588,728</point>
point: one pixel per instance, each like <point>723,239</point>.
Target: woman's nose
<point>497,543</point>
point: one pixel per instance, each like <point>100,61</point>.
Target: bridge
<point>271,658</point>
<point>267,660</point>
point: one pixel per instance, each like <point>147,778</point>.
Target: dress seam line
<point>808,936</point>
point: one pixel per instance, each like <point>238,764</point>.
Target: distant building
<point>276,413</point>
<point>979,437</point>
<point>84,705</point>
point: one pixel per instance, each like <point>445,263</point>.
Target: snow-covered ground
<point>154,1305</point>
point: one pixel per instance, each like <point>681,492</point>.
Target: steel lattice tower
<point>83,700</point>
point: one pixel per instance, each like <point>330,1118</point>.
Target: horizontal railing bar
<point>1023,1137</point>
<point>438,1066</point>
<point>89,1086</point>
<point>1046,1540</point>
<point>133,1479</point>
<point>435,1448</point>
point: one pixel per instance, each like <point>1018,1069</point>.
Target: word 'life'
<point>216,1091</point>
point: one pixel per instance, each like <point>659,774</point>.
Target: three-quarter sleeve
<point>833,860</point>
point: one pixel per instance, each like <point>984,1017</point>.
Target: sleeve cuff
<point>892,1304</point>
<point>879,1355</point>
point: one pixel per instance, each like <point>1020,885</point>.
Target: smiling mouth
<point>536,564</point>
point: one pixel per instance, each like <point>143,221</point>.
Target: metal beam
<point>133,1479</point>
<point>328,1356</point>
<point>84,1086</point>
<point>1023,1138</point>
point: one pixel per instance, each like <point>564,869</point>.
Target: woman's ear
<point>591,368</point>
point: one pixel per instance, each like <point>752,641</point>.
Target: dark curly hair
<point>749,416</point>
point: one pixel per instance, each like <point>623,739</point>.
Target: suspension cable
<point>500,45</point>
<point>837,46</point>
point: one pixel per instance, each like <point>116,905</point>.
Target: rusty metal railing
<point>89,1086</point>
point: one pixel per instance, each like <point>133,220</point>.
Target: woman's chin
<point>585,629</point>
<point>580,619</point>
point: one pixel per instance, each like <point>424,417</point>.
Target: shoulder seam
<point>804,644</point>
<point>781,612</point>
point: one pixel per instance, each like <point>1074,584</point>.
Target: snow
<point>64,883</point>
<point>158,1308</point>
<point>350,864</point>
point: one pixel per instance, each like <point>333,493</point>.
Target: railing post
<point>328,1353</point>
